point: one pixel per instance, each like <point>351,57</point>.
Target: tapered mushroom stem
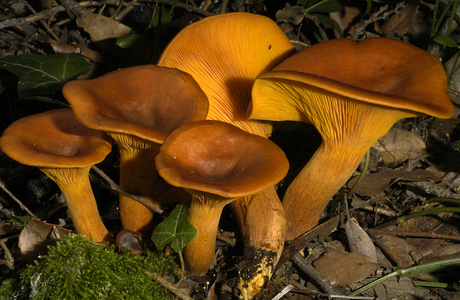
<point>74,184</point>
<point>204,214</point>
<point>64,150</point>
<point>137,175</point>
<point>262,222</point>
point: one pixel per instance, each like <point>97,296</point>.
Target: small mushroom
<point>138,106</point>
<point>64,150</point>
<point>216,163</point>
<point>353,97</point>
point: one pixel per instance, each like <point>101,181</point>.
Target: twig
<point>415,234</point>
<point>382,14</point>
<point>23,207</point>
<point>117,188</point>
<point>80,7</point>
<point>171,287</point>
<point>44,24</point>
<point>313,274</point>
<point>223,7</point>
<point>190,8</point>
<point>9,258</point>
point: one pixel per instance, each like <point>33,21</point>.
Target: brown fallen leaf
<point>359,241</point>
<point>344,268</point>
<point>399,145</point>
<point>36,236</point>
<point>101,28</point>
<point>400,22</point>
<point>375,183</point>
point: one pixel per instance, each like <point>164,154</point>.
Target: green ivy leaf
<point>446,41</point>
<point>175,229</point>
<point>44,74</point>
<point>328,23</point>
<point>325,6</point>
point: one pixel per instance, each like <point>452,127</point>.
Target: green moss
<point>80,269</point>
<point>9,289</point>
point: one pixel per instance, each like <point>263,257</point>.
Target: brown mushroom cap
<point>224,54</point>
<point>54,139</point>
<point>380,71</point>
<point>219,158</point>
<point>144,101</point>
<point>353,97</point>
<point>64,150</point>
<point>138,106</point>
<point>217,163</point>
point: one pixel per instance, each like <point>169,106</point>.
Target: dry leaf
<point>36,236</point>
<point>403,253</point>
<point>292,14</point>
<point>375,183</point>
<point>344,268</point>
<point>359,241</point>
<point>399,145</point>
<point>400,22</point>
<point>346,17</point>
<point>102,28</point>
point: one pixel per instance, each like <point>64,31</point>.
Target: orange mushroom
<point>353,97</point>
<point>138,106</point>
<point>64,150</point>
<point>224,54</point>
<point>216,163</point>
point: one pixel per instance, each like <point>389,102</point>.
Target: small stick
<point>23,207</point>
<point>171,287</point>
<point>117,188</point>
<point>415,234</point>
<point>313,274</point>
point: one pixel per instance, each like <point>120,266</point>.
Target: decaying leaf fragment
<point>399,145</point>
<point>344,268</point>
<point>36,236</point>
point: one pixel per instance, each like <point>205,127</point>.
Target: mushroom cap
<point>144,101</point>
<point>380,71</point>
<point>54,139</point>
<point>224,54</point>
<point>221,159</point>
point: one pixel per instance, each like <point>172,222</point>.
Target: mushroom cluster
<point>202,117</point>
<point>137,107</point>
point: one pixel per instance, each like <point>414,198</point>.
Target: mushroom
<point>64,150</point>
<point>138,106</point>
<point>216,163</point>
<point>224,54</point>
<point>353,97</point>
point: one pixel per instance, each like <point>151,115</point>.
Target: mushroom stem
<point>74,184</point>
<point>345,142</point>
<point>204,216</point>
<point>138,176</point>
<point>262,221</point>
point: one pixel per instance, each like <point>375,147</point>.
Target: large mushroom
<point>353,97</point>
<point>216,163</point>
<point>138,106</point>
<point>64,150</point>
<point>224,54</point>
